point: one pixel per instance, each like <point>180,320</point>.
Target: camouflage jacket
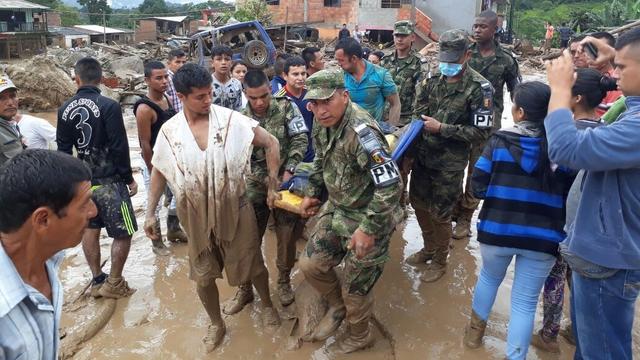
<point>465,109</point>
<point>346,169</point>
<point>499,69</point>
<point>406,73</point>
<point>285,122</point>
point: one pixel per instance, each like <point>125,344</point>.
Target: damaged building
<point>164,27</point>
<point>23,29</point>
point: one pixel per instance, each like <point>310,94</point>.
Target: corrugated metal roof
<point>177,19</point>
<point>68,30</point>
<point>20,4</point>
<point>97,29</point>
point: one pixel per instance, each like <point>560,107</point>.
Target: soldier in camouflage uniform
<point>406,68</point>
<point>456,106</point>
<point>499,67</point>
<point>282,119</point>
<point>356,223</point>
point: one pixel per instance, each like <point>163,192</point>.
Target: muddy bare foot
<point>159,248</point>
<point>215,334</point>
<point>270,317</point>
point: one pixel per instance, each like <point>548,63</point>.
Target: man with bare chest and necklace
<point>203,154</point>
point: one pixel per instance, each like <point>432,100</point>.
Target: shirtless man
<point>152,111</point>
<point>206,175</point>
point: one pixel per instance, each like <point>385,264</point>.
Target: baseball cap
<point>323,84</point>
<point>6,83</point>
<point>403,27</point>
<point>453,44</point>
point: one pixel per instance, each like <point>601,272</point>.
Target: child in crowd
<point>238,70</point>
<point>522,216</point>
<point>227,91</point>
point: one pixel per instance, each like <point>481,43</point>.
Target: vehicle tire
<point>255,54</point>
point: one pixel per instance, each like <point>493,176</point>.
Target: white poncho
<point>207,184</point>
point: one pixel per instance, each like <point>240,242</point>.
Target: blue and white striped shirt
<point>29,322</point>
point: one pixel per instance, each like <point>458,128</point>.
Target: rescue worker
<point>355,225</point>
<point>406,67</point>
<point>456,106</point>
<point>282,119</point>
<point>497,65</point>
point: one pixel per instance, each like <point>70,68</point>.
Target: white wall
<point>450,14</point>
<point>68,40</point>
<point>372,16</point>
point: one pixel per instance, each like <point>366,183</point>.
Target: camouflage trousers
<point>467,203</point>
<point>433,195</point>
<point>325,250</point>
<point>288,229</point>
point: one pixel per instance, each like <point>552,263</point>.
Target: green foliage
<point>69,15</point>
<point>251,10</point>
<point>123,18</point>
<point>581,16</point>
<point>96,8</point>
<point>621,11</point>
<point>211,4</point>
<point>153,7</point>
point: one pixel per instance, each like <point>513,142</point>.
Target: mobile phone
<point>591,50</point>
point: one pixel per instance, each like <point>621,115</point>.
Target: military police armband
<point>297,126</point>
<point>383,169</point>
<point>483,115</point>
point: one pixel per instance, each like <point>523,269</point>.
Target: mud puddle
<point>165,320</point>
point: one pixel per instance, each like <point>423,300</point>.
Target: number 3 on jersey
<point>80,115</point>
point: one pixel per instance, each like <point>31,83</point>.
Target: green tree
<point>96,8</point>
<point>153,7</point>
<point>69,15</point>
<point>252,10</point>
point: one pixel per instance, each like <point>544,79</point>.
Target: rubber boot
<point>439,244</point>
<point>462,230</point>
<point>359,335</point>
<point>174,232</point>
<point>420,258</point>
<point>285,292</point>
<point>334,316</point>
<point>157,246</point>
<point>243,297</point>
<point>474,332</point>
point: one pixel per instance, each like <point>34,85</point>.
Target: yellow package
<point>289,201</point>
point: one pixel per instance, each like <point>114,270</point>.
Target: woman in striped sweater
<point>522,216</point>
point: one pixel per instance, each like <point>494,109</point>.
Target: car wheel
<point>255,54</point>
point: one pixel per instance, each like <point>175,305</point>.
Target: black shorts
<point>115,211</point>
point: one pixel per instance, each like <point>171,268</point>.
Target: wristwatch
<point>291,169</point>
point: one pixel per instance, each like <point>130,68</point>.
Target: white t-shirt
<point>37,132</point>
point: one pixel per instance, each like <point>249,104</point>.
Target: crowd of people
<point>557,188</point>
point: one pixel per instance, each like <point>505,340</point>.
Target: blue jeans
<point>532,269</point>
<point>602,314</point>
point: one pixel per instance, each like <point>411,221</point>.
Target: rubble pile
<point>43,82</point>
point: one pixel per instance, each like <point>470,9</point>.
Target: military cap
<point>323,84</point>
<point>453,44</point>
<point>403,27</point>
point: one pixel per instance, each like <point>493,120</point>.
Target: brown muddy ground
<point>165,320</point>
